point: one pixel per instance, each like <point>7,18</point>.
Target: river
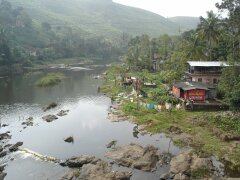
<point>86,121</point>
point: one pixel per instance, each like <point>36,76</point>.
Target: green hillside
<point>98,17</point>
<point>39,31</point>
<point>185,22</point>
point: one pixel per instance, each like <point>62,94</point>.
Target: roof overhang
<point>208,63</point>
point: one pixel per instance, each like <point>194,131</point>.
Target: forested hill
<point>38,31</point>
<point>99,17</point>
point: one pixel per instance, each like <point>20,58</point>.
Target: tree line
<point>216,38</point>
<point>25,41</point>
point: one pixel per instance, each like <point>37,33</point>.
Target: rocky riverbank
<point>207,133</point>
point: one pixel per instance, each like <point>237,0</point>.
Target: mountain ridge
<point>102,17</point>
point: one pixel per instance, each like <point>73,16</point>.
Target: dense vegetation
<point>26,41</point>
<point>38,31</point>
<point>215,39</point>
<point>207,132</point>
<point>101,17</point>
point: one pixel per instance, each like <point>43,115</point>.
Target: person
<point>191,102</point>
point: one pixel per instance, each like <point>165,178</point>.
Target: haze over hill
<point>185,22</point>
<point>101,17</point>
<point>38,31</point>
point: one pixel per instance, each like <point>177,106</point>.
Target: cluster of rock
<point>115,115</point>
<point>2,174</point>
<point>62,112</point>
<point>50,106</point>
<point>4,137</point>
<point>91,167</point>
<point>6,148</point>
<point>51,117</point>
<point>185,164</point>
<point>135,156</point>
<point>28,122</point>
<point>132,155</point>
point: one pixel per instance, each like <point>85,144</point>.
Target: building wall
<point>195,94</point>
<point>176,91</point>
<point>206,79</point>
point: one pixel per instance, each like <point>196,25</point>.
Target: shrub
<point>50,80</point>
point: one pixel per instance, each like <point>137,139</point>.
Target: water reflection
<point>86,121</point>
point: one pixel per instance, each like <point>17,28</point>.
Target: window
<point>215,81</point>
<point>199,79</point>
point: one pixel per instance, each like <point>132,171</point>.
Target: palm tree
<point>209,30</point>
<point>195,48</point>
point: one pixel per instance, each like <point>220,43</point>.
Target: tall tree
<point>209,30</point>
<point>230,80</point>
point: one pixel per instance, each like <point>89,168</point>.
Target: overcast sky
<point>170,8</point>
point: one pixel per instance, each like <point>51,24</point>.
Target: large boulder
<point>181,163</point>
<point>93,168</point>
<point>198,163</point>
<point>135,156</point>
<point>100,170</point>
<point>15,146</point>
<point>76,162</point>
<point>5,136</point>
<point>49,118</point>
<point>3,153</point>
<point>181,176</point>
<point>2,175</point>
<point>186,164</point>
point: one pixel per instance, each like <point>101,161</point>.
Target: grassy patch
<point>200,173</point>
<point>50,80</point>
<point>203,128</point>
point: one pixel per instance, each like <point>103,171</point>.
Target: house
<point>207,72</point>
<point>195,91</point>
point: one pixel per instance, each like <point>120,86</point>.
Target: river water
<point>86,121</point>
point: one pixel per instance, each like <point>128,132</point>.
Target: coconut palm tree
<point>209,30</point>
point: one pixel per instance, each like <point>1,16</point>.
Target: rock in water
<point>50,118</point>
<point>135,156</point>
<point>2,175</point>
<point>28,122</point>
<point>5,136</point>
<point>93,168</point>
<point>101,171</point>
<point>69,139</point>
<point>76,162</point>
<point>15,146</point>
<point>50,106</point>
<point>112,143</point>
<point>62,113</point>
<point>3,153</point>
<point>184,164</point>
